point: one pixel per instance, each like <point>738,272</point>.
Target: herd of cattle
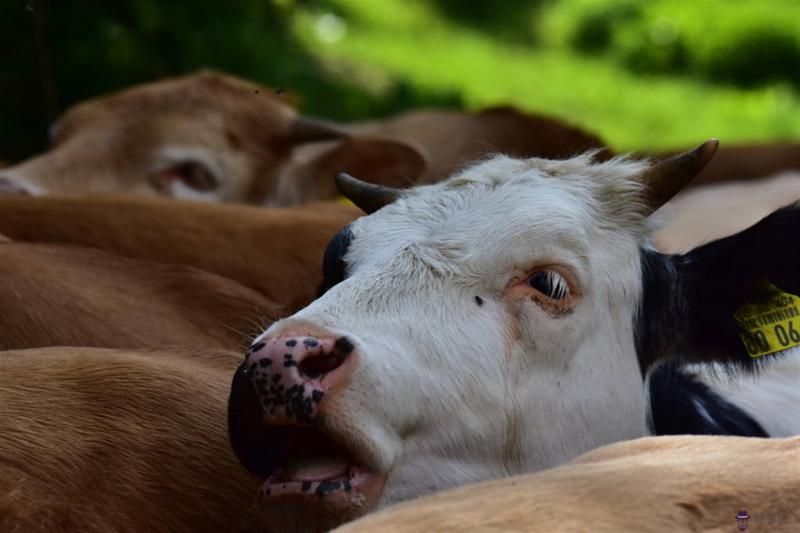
<point>266,358</point>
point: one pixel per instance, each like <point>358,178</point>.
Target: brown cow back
<point>68,295</point>
<point>675,484</point>
<point>97,440</point>
<point>277,252</point>
<point>454,139</point>
<point>745,162</point>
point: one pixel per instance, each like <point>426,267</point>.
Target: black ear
<point>688,301</point>
<point>334,269</point>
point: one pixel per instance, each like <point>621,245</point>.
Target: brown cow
<point>97,440</point>
<point>445,140</point>
<point>749,162</point>
<point>277,252</point>
<point>205,136</point>
<point>214,137</point>
<point>675,484</point>
<point>118,440</point>
<point>69,295</point>
<point>703,214</point>
<point>453,139</point>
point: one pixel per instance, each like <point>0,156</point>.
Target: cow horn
<point>305,129</point>
<point>667,177</point>
<point>367,196</point>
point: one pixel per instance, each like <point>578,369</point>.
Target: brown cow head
<point>205,136</point>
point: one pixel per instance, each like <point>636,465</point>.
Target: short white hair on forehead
<point>609,190</point>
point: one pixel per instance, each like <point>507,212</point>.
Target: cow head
<point>488,325</point>
<point>206,136</point>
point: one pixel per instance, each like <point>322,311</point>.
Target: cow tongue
<point>315,468</point>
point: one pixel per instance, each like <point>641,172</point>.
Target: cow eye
<point>549,283</point>
<point>196,176</point>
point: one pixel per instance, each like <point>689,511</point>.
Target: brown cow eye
<point>549,283</point>
<point>196,176</point>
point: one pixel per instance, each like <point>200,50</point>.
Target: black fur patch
<point>334,269</point>
<point>688,301</point>
<point>680,404</point>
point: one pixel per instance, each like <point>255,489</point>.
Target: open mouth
<point>298,457</point>
<point>307,461</point>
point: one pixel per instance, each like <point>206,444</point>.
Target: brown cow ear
<point>387,162</point>
<point>311,173</point>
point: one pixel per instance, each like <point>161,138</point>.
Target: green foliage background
<point>643,74</point>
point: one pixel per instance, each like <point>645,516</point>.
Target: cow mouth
<point>306,461</point>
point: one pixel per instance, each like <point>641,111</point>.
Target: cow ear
<point>387,162</point>
<point>693,305</point>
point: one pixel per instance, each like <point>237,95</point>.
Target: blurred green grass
<point>655,74</point>
<point>377,40</point>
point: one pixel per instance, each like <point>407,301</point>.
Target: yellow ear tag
<point>771,326</point>
<point>343,200</point>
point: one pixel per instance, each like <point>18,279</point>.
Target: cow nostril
<point>317,365</point>
<point>344,345</point>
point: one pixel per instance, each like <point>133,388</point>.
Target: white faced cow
<point>496,323</point>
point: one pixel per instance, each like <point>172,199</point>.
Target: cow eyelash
<point>550,284</point>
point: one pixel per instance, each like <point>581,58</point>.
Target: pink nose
<point>292,373</point>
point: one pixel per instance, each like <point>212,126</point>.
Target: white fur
<point>444,393</point>
<point>16,179</point>
<point>770,396</point>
